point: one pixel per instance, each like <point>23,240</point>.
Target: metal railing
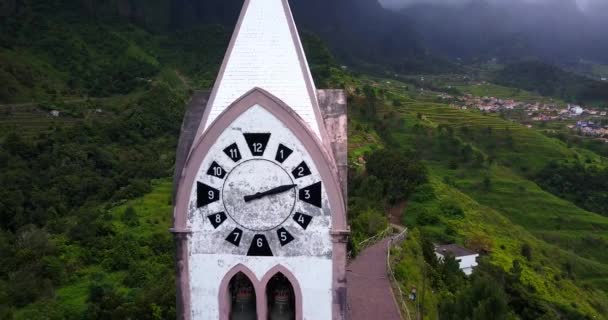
<point>397,239</point>
<point>375,239</point>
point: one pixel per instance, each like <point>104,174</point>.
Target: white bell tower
<point>259,204</point>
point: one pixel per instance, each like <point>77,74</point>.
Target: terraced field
<point>30,120</point>
<point>503,204</point>
<point>531,149</point>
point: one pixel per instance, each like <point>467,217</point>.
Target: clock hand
<point>270,192</point>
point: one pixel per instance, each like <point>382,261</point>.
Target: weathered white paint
<point>253,215</point>
<point>308,257</point>
<point>265,55</point>
<point>314,276</point>
<point>466,263</point>
<point>313,241</point>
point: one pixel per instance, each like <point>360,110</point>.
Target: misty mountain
<point>364,32</point>
<point>413,39</point>
<point>556,31</point>
<point>359,32</point>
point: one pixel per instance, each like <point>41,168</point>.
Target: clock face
<point>258,193</point>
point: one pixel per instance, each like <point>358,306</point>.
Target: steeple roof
<point>266,52</point>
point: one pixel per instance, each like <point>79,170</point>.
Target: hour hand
<point>254,197</point>
<point>270,192</point>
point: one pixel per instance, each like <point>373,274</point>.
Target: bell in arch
<point>243,298</point>
<point>280,298</point>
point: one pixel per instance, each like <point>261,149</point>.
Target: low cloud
<point>585,5</point>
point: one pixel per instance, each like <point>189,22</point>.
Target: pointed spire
<point>266,52</point>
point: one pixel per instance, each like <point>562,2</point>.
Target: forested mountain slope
<point>85,191</point>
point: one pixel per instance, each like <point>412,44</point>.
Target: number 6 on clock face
<point>258,193</point>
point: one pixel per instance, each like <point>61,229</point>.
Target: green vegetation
<point>480,193</point>
<point>493,90</point>
<point>85,198</point>
<point>85,201</point>
<point>578,183</point>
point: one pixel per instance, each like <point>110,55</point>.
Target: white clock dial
<point>259,193</point>
<point>259,204</point>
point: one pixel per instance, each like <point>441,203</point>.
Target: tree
<point>370,109</point>
<point>399,172</point>
<point>483,299</point>
<point>130,217</point>
<point>467,153</point>
<point>479,160</point>
<point>526,251</point>
<point>487,183</point>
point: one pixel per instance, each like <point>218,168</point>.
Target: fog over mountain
<point>411,36</point>
<point>590,6</point>
<point>561,31</point>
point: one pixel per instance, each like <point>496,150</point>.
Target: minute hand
<point>270,192</point>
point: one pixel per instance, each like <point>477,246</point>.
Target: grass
<point>541,213</point>
<point>531,150</point>
<point>154,211</point>
<point>514,210</point>
<point>545,273</point>
<point>361,140</point>
<point>409,266</point>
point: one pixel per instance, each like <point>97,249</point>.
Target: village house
<point>467,259</point>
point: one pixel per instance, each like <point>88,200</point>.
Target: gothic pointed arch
<point>293,281</point>
<point>225,298</point>
<point>321,157</point>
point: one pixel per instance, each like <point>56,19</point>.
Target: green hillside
<point>90,112</point>
<point>481,193</point>
<point>85,193</point>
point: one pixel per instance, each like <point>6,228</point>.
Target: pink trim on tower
<point>320,156</point>
<point>297,291</point>
<point>224,295</point>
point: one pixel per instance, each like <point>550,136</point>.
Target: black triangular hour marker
<point>216,171</point>
<point>301,171</point>
<point>284,236</point>
<point>217,219</point>
<point>257,143</point>
<point>312,194</point>
<point>205,194</point>
<point>235,236</point>
<point>283,153</point>
<point>233,152</point>
<point>259,247</point>
<point>302,219</point>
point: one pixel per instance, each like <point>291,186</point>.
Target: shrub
<point>423,193</point>
<point>451,210</point>
<point>526,251</point>
<point>427,219</point>
<point>130,217</point>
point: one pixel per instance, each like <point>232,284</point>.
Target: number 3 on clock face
<point>259,194</point>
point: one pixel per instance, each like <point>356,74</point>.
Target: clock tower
<point>259,204</point>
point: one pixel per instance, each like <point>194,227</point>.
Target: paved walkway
<point>370,296</point>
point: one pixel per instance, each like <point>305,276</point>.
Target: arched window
<point>242,298</point>
<point>281,298</point>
